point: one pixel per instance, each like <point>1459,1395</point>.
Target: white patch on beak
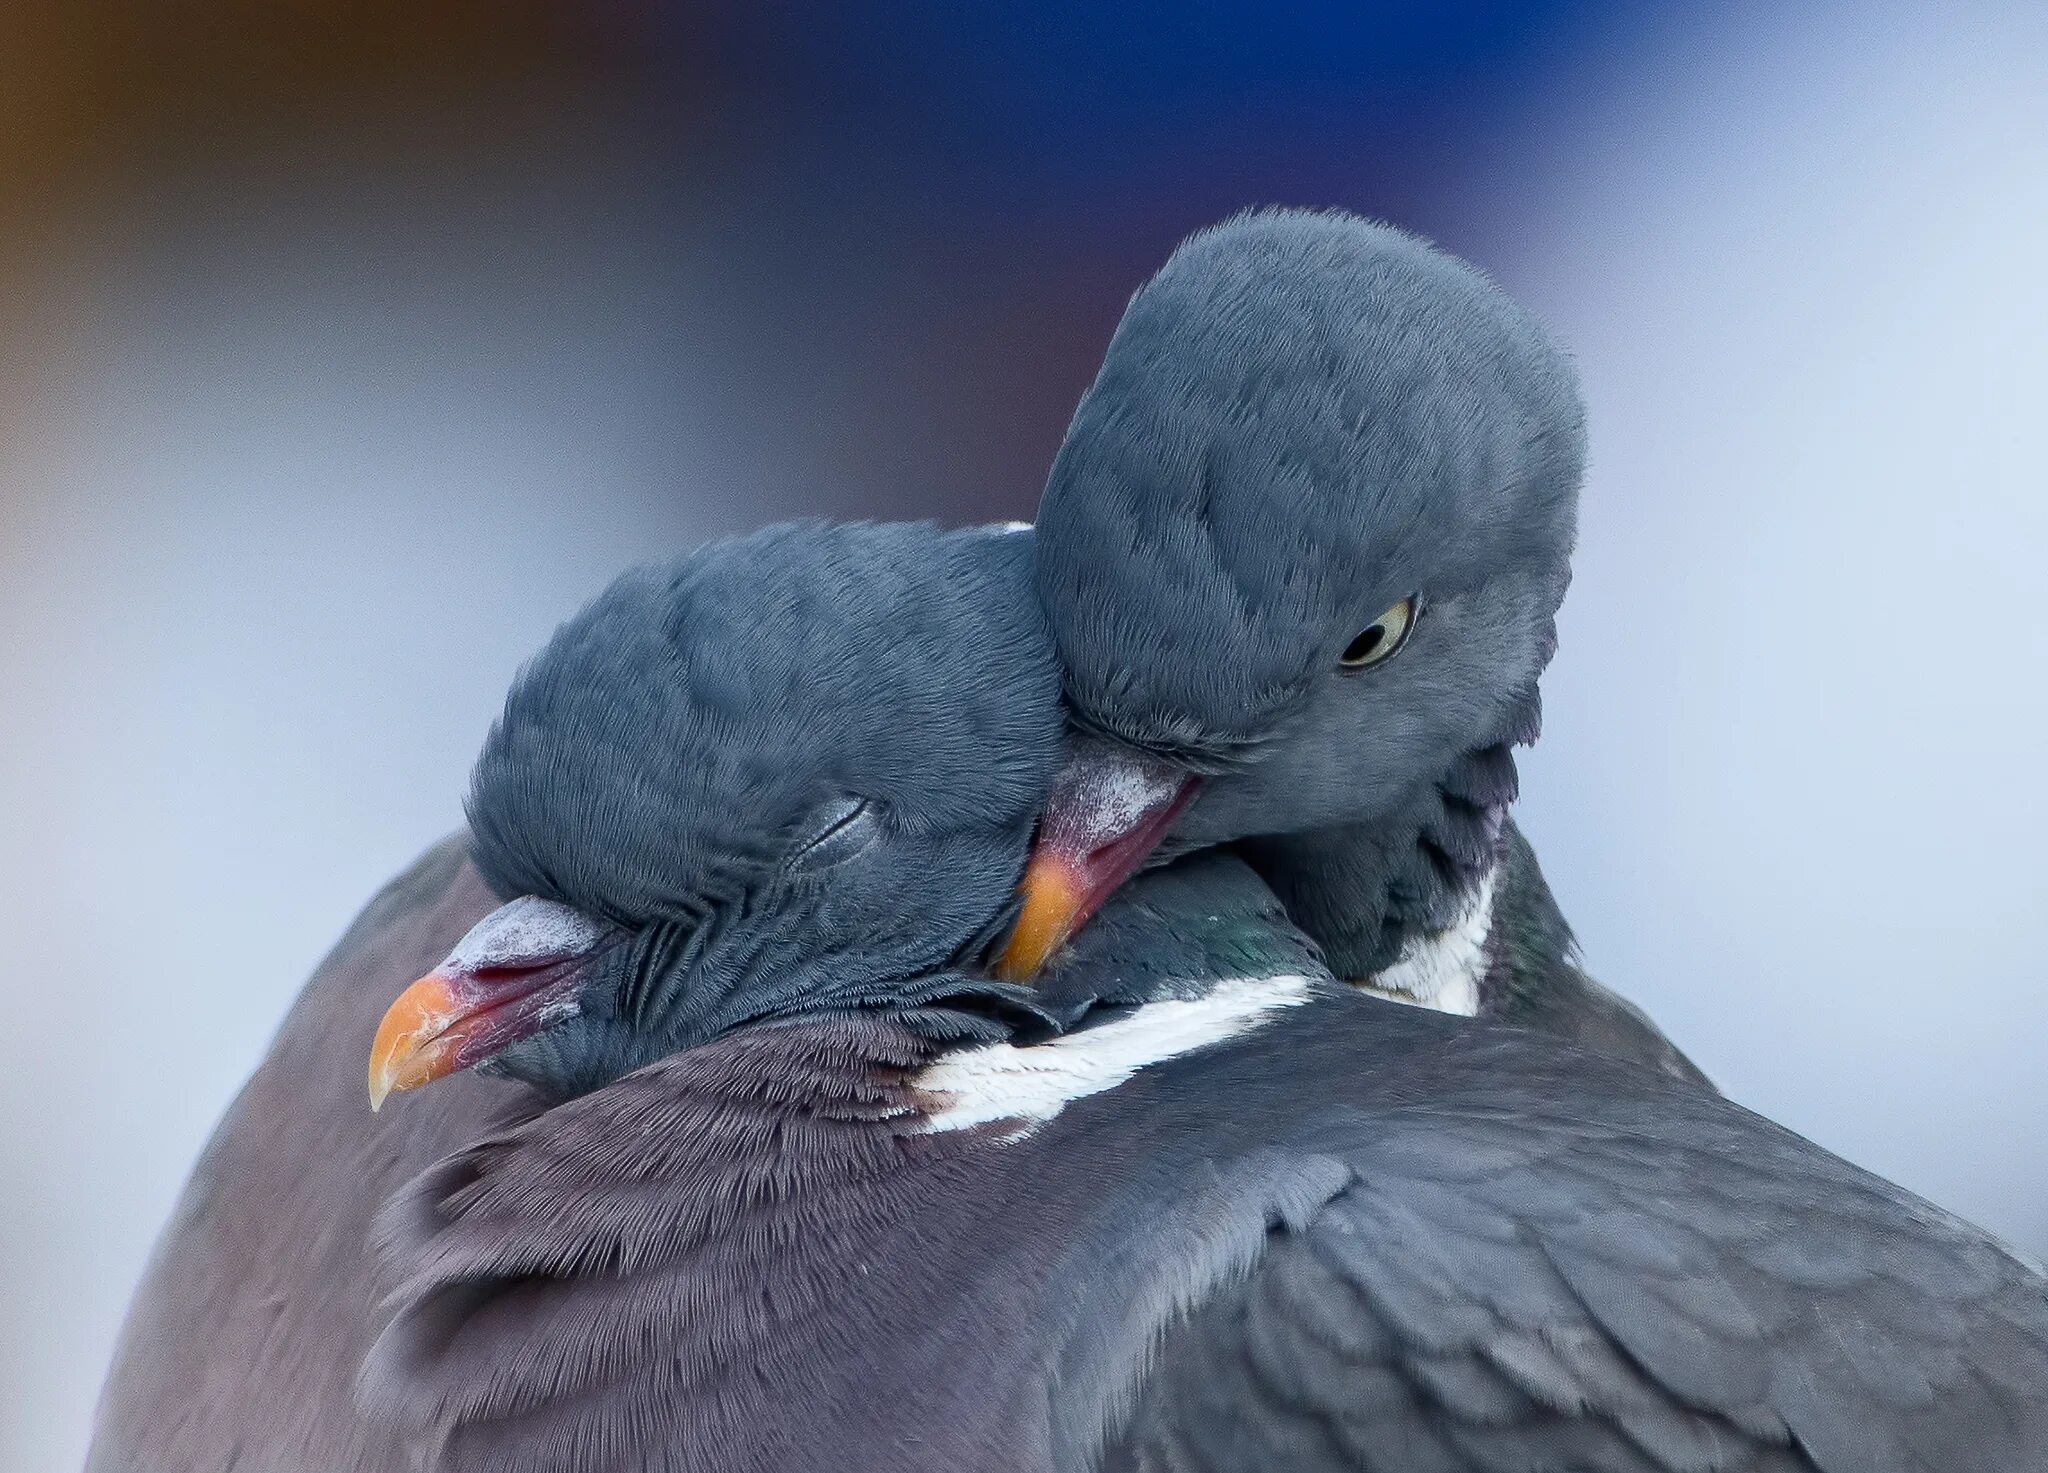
<point>526,932</point>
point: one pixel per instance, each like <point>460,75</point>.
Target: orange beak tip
<point>1054,892</point>
<point>403,1056</point>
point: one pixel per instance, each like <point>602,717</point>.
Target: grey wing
<point>240,1345</point>
<point>1572,1005</point>
<point>1538,982</point>
<point>1690,1291</point>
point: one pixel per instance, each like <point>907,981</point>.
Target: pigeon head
<point>790,772</point>
<point>1301,549</point>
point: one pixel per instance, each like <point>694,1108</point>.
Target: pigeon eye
<point>843,829</point>
<point>1380,639</point>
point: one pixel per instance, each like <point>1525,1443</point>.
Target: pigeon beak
<point>521,969</point>
<point>1109,810</point>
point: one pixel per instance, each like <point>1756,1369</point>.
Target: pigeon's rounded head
<point>1305,540</point>
<point>1312,522</point>
<point>782,774</point>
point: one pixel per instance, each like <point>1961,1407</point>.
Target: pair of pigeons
<point>1268,1123</point>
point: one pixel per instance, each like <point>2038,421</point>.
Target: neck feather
<point>1390,902</point>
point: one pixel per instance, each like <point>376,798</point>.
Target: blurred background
<point>346,345</point>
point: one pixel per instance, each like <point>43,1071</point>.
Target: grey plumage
<point>1327,1233</point>
<point>907,655</point>
<point>1354,1236</point>
<point>1534,978</point>
<point>242,1343</point>
<point>1301,421</point>
<point>1350,889</point>
<point>1363,1236</point>
<point>736,756</point>
<point>1540,1259</point>
<point>265,1261</point>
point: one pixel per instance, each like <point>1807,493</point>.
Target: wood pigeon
<point>1173,988</point>
<point>802,1190</point>
<point>1302,550</point>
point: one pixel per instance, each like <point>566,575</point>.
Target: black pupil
<point>1362,647</point>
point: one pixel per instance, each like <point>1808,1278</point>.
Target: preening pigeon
<point>1189,1203</point>
<point>1302,550</point>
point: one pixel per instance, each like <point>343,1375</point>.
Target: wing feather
<point>1648,1281</point>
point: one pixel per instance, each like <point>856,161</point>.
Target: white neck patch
<point>1442,969</point>
<point>1031,1085</point>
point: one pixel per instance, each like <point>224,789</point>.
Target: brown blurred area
<point>128,127</point>
<point>96,94</point>
<point>855,291</point>
<point>101,103</point>
<point>917,280</point>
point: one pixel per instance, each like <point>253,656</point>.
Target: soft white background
<point>286,515</point>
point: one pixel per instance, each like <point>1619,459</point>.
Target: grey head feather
<point>799,768</point>
<point>1301,420</point>
<point>801,771</point>
<point>685,725</point>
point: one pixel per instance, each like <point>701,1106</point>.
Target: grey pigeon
<point>1303,546</point>
<point>281,1196</point>
<point>265,1261</point>
<point>814,1196</point>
